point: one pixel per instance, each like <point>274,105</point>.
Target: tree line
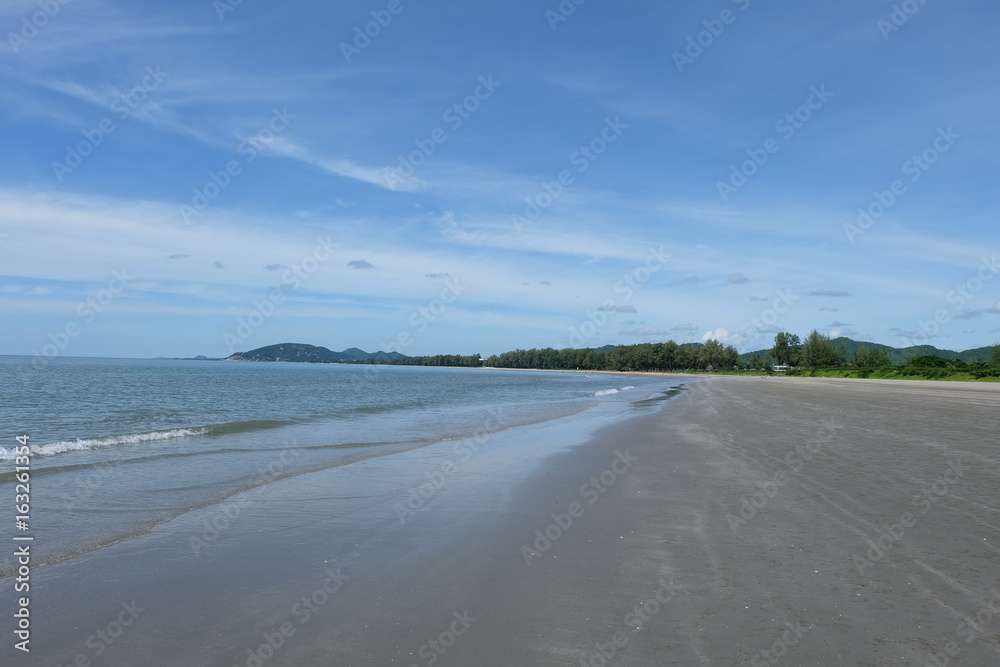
<point>668,356</point>
<point>818,351</point>
<point>815,352</point>
<point>467,361</point>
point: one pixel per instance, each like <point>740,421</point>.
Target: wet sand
<point>750,521</point>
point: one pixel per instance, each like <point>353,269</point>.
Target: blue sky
<point>200,178</point>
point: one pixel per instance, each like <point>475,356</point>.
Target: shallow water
<point>121,445</point>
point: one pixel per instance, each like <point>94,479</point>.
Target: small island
<point>304,353</point>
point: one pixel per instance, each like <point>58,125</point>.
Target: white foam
<point>82,444</point>
<point>608,392</point>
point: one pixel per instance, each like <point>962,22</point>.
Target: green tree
<point>687,356</point>
<point>666,356</point>
<point>819,350</point>
<point>868,357</point>
<point>787,348</point>
<point>710,356</point>
<point>880,357</point>
<point>928,361</point>
<point>730,357</point>
<point>995,356</point>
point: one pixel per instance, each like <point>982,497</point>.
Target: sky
<point>201,178</point>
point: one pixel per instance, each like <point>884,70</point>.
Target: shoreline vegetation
<point>816,356</point>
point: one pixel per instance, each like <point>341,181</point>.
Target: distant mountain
<point>355,354</point>
<point>977,354</point>
<point>304,353</point>
<point>899,355</point>
<point>200,357</point>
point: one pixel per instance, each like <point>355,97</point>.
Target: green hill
<point>899,355</point>
<point>304,353</point>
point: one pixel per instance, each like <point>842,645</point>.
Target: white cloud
<point>644,330</point>
<point>845,332</point>
<point>387,177</point>
<point>723,336</point>
<point>82,239</point>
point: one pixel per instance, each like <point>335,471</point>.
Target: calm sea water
<point>120,445</point>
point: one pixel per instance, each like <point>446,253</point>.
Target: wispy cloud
<point>829,292</point>
<point>644,330</point>
<point>386,177</point>
<point>594,207</point>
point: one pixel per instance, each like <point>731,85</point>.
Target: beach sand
<point>734,526</point>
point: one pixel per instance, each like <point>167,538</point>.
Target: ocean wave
<point>608,392</point>
<point>83,444</point>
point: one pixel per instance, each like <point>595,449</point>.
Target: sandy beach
<point>749,521</point>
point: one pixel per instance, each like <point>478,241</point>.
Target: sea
<point>119,446</point>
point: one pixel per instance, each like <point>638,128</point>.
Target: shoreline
<point>687,374</point>
<point>287,467</point>
<point>213,548</point>
<point>738,519</point>
<point>748,374</point>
